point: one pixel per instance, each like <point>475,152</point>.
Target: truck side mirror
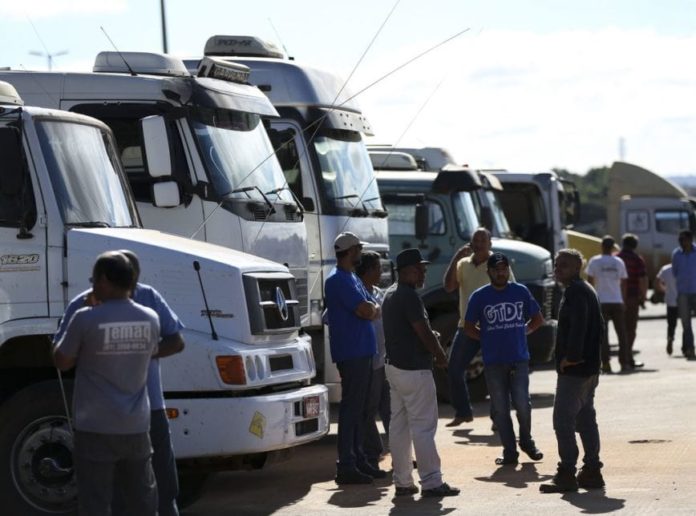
<point>155,138</point>
<point>422,221</point>
<point>166,194</point>
<point>487,217</point>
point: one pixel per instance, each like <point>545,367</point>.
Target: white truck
<point>319,143</point>
<point>207,149</point>
<point>651,207</point>
<point>238,395</point>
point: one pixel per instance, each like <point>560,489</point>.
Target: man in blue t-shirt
<point>350,311</point>
<point>163,461</point>
<point>501,315</point>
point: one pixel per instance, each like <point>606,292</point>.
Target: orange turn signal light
<point>231,369</point>
<point>172,413</point>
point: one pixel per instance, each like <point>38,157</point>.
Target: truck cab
<point>319,141</point>
<point>239,395</point>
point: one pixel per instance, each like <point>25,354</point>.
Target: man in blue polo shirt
<point>501,315</point>
<point>350,312</point>
<point>684,270</point>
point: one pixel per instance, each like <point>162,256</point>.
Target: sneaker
<point>533,453</point>
<point>590,478</point>
<point>506,461</point>
<point>458,420</point>
<point>637,365</point>
<point>669,346</point>
<point>442,490</point>
<point>352,476</point>
<point>562,482</point>
<point>406,490</point>
<point>367,469</point>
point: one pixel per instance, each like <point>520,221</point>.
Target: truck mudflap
<point>225,427</point>
<point>542,343</point>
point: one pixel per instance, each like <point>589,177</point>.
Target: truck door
<point>23,290</point>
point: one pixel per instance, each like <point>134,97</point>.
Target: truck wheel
<point>191,484</point>
<point>36,444</point>
<point>446,324</point>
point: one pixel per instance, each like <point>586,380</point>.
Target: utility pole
<point>164,27</point>
<point>49,57</point>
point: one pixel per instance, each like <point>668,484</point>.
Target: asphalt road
<point>647,424</point>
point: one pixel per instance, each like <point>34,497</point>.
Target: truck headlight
<point>231,369</point>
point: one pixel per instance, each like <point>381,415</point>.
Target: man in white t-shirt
<point>667,284</point>
<point>607,273</point>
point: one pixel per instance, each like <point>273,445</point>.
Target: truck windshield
<point>238,154</point>
<point>85,174</point>
<point>346,171</point>
<point>502,228</point>
<point>465,214</point>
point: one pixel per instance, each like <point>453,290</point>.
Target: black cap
<point>497,258</point>
<point>409,257</point>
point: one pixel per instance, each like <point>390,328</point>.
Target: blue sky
<point>533,84</point>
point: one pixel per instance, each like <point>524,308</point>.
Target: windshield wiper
<point>349,196</point>
<point>95,224</point>
<point>246,190</point>
<point>276,191</point>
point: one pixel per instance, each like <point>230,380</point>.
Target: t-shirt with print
<point>470,277</point>
<point>502,316</point>
<point>169,325</point>
<point>607,271</point>
<point>113,343</point>
<point>350,336</point>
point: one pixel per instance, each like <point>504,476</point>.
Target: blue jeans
<point>573,411</point>
<point>508,382</point>
<point>464,350</point>
<point>686,303</point>
<point>356,375</point>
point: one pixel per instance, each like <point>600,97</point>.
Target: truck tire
<point>191,484</point>
<point>446,325</point>
<point>36,443</point>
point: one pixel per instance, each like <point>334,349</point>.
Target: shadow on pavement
<point>417,506</point>
<point>514,477</point>
<point>594,502</point>
<point>359,495</point>
<point>476,439</point>
<point>542,400</point>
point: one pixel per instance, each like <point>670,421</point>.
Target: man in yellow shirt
<point>467,272</point>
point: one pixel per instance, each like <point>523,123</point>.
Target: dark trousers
<point>632,307</point>
<point>464,350</point>
<point>616,313</point>
<point>108,465</point>
<point>164,467</point>
<point>672,318</point>
<point>574,411</point>
<point>372,443</point>
<point>356,375</point>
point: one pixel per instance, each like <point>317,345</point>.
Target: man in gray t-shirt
<point>111,345</point>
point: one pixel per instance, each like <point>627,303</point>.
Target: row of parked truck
<point>243,166</point>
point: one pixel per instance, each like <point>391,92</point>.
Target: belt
<point>405,368</point>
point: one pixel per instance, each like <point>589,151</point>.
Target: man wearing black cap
<point>350,311</point>
<point>411,345</point>
<point>501,315</point>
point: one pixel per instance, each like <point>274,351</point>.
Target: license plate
<point>310,406</point>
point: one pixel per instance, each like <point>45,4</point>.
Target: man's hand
<point>441,359</point>
<point>464,251</point>
<point>567,363</point>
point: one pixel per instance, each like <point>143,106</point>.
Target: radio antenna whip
<point>197,267</point>
<point>119,52</point>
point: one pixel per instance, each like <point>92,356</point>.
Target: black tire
<point>191,486</point>
<point>36,468</point>
<point>446,324</point>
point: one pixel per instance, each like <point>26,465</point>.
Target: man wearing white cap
<point>350,311</point>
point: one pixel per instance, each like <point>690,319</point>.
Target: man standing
<point>163,462</point>
<point>111,345</point>
<point>636,292</point>
<point>350,312</point>
<point>607,274</point>
<point>667,285</point>
<point>578,343</point>
<point>467,271</point>
<point>684,270</point>
<point>500,316</point>
<point>411,345</point>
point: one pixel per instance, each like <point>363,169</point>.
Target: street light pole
<point>164,27</point>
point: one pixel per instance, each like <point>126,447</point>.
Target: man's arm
<point>63,361</point>
<point>624,287</point>
<point>450,282</point>
<point>430,342</point>
<point>471,330</point>
<point>170,345</point>
<point>535,322</point>
<point>643,285</point>
<point>367,310</point>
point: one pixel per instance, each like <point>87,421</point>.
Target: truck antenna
<point>119,52</point>
<point>282,44</point>
<point>197,267</point>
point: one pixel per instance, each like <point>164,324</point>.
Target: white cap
<point>346,240</point>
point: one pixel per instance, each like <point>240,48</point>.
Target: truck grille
<point>545,297</point>
<point>272,302</point>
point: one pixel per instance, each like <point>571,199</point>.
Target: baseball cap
<point>497,258</point>
<point>346,240</point>
<point>409,257</point>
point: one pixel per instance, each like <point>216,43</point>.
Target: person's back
<point>404,348</point>
<point>607,272</point>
